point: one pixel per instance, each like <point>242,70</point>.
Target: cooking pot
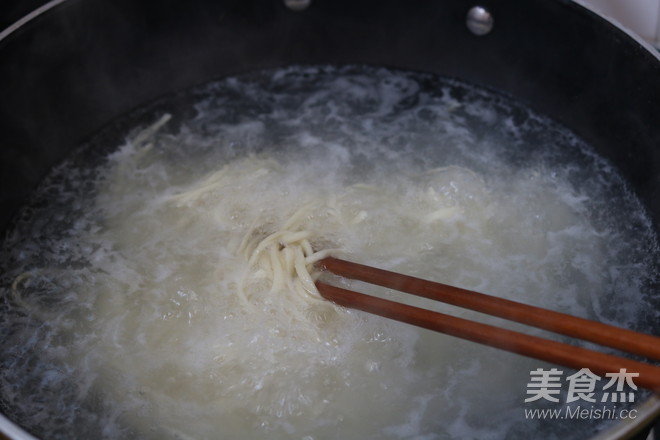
<point>75,65</point>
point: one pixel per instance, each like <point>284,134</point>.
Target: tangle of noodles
<point>284,258</point>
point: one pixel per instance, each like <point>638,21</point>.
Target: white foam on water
<point>136,298</point>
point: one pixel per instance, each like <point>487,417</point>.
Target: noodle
<point>285,256</point>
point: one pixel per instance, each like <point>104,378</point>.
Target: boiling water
<point>130,308</point>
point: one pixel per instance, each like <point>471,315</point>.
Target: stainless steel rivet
<point>479,20</point>
<point>297,5</point>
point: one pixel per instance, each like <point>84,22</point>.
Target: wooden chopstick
<point>532,346</point>
<point>603,334</point>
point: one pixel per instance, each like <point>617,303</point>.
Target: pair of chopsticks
<point>551,351</point>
